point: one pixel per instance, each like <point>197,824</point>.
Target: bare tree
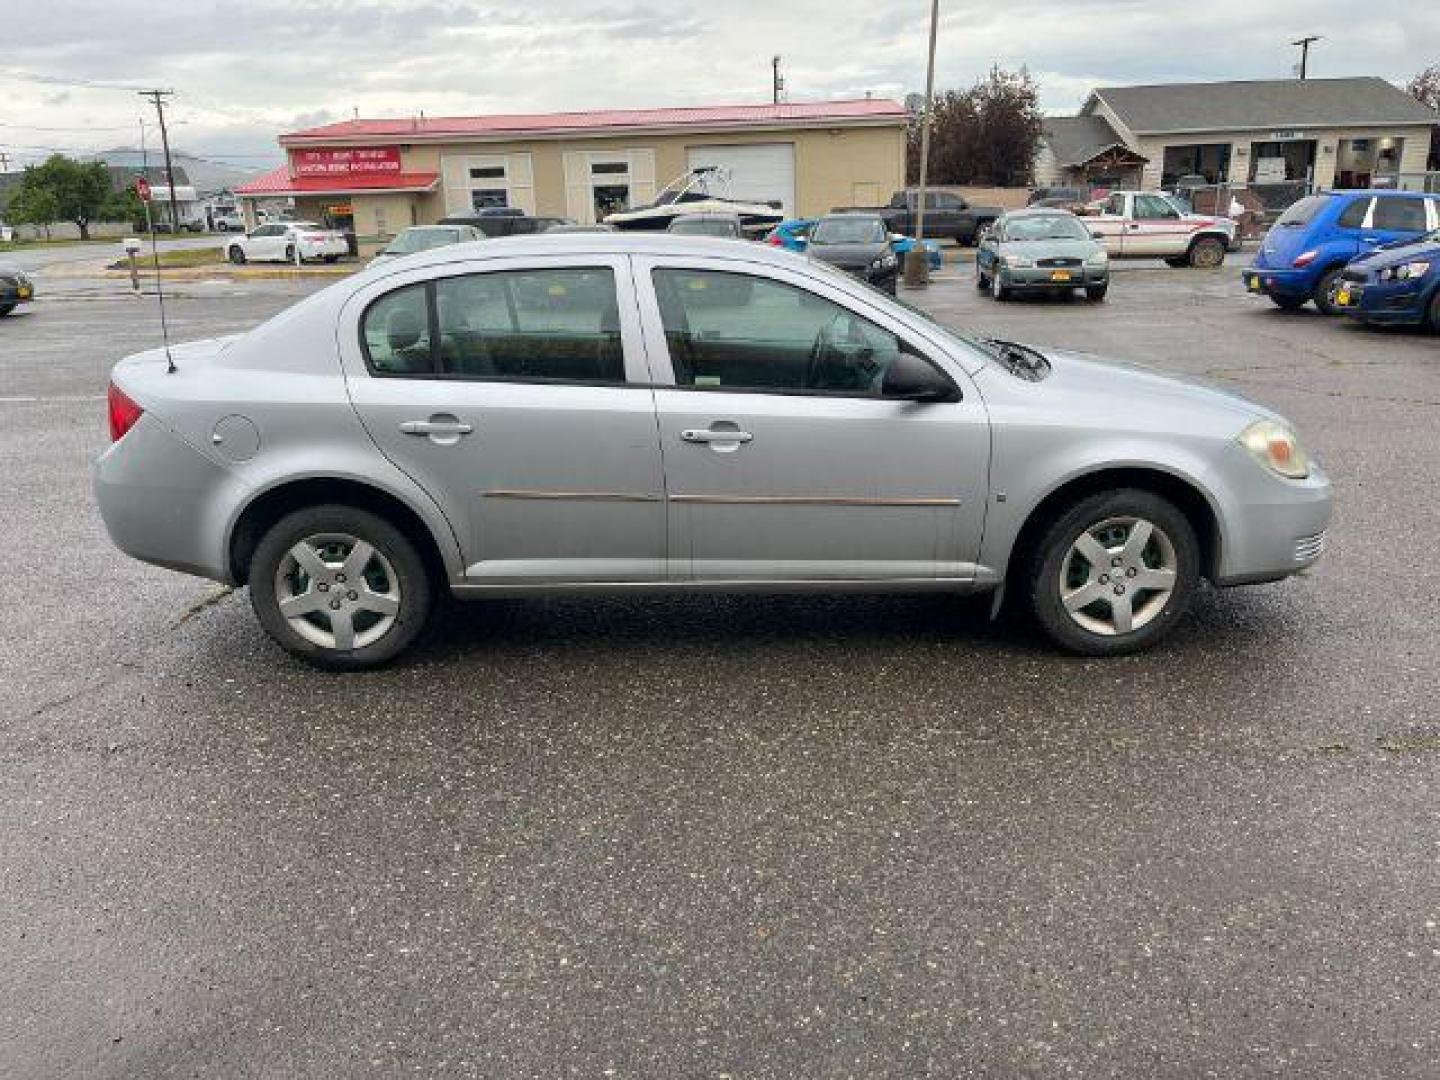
<point>1425,87</point>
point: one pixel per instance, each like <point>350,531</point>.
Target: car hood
<point>847,254</point>
<point>1110,380</point>
<point>1395,254</point>
<point>1051,249</point>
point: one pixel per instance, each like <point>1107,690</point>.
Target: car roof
<point>602,243</point>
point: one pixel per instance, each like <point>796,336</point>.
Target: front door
<point>784,459</point>
<point>1155,228</point>
<point>516,393</point>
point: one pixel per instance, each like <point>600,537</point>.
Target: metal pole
<point>1304,44</point>
<point>917,264</point>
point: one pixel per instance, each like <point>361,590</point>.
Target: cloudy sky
<point>245,70</point>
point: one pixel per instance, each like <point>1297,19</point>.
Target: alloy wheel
<point>337,591</point>
<point>1118,575</point>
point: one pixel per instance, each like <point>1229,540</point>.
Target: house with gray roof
<point>1354,132</point>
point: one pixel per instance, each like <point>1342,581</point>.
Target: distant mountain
<point>207,176</point>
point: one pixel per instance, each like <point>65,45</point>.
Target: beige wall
<point>833,167</point>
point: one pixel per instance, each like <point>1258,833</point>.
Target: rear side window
<point>518,325</point>
<point>1353,216</point>
<point>1303,211</point>
<point>1400,214</point>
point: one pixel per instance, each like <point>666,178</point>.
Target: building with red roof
<point>380,176</point>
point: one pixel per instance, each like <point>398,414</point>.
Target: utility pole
<point>158,97</point>
<point>917,261</point>
<point>1304,43</point>
<point>777,81</point>
<point>4,162</point>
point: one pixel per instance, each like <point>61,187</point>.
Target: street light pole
<point>917,263</point>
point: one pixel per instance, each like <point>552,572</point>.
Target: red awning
<point>280,182</point>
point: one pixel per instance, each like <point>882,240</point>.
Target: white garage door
<point>761,172</point>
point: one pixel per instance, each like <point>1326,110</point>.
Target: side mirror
<point>912,378</point>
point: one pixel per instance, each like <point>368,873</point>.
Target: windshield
<point>699,226</point>
<point>413,240</point>
<point>849,230</point>
<point>1046,227</point>
<point>1302,212</point>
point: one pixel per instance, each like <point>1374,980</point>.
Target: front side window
<point>1399,214</point>
<point>1153,207</point>
<point>558,325</point>
<point>728,331</point>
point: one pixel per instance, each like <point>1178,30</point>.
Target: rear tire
<point>1207,253</point>
<point>1153,584</point>
<point>236,254</point>
<point>6,309</point>
<point>1325,289</point>
<point>380,603</point>
<point>1096,293</point>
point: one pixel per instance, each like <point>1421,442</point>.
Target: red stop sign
<point>142,188</point>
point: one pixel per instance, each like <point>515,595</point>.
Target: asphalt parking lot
<point>800,837</point>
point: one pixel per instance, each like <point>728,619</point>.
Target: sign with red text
<point>347,161</point>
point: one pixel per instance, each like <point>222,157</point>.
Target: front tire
<point>236,254</point>
<point>1096,293</point>
<point>340,588</point>
<point>998,289</point>
<point>1325,290</point>
<point>1432,318</point>
<point>1207,253</point>
<point>6,309</point>
<point>290,253</point>
<point>1113,573</point>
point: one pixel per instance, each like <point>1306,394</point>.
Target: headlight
<point>1016,261</point>
<point>1100,258</point>
<point>1276,447</point>
<point>885,262</point>
<point>1405,271</point>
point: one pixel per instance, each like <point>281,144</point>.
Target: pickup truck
<point>1144,224</point>
<point>946,214</point>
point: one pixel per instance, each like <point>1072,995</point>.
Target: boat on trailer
<point>694,193</point>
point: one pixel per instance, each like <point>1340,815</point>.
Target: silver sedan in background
<point>633,413</point>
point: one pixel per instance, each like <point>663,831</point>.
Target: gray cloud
<point>246,71</point>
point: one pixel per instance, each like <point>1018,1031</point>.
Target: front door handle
<point>435,427</point>
<point>711,435</point>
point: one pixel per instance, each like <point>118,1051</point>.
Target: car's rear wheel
<point>236,254</point>
<point>6,309</point>
<point>339,587</point>
<point>1114,573</point>
<point>1324,295</point>
<point>1207,253</point>
<point>1289,303</point>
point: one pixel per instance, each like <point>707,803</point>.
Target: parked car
<point>727,226</point>
<point>426,426</point>
<point>859,244</point>
<point>228,221</point>
<point>794,235</point>
<point>498,221</point>
<point>279,241</point>
<point>15,289</point>
<point>1146,224</point>
<point>424,237</point>
<point>1041,250</point>
<point>1307,248</point>
<point>1398,283</point>
<point>946,215</point>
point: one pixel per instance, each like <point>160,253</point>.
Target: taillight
<point>123,413</point>
<point>774,241</point>
<point>1305,258</point>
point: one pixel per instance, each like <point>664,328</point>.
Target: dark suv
<point>509,224</point>
<point>1307,248</point>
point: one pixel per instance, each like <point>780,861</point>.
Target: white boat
<point>693,193</point>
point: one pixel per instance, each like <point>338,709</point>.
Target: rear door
<point>516,392</point>
<point>784,460</point>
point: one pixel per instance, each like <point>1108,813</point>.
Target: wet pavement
<point>746,837</point>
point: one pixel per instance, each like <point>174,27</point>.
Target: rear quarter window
<point>1400,214</point>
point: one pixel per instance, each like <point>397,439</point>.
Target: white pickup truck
<point>1146,224</point>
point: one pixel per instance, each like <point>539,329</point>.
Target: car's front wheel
<point>339,587</point>
<point>998,289</point>
<point>6,309</point>
<point>1207,252</point>
<point>236,254</point>
<point>1096,293</point>
<point>1324,295</point>
<point>1113,573</point>
<point>1434,313</point>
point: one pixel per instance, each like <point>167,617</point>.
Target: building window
<point>609,186</point>
<point>489,185</point>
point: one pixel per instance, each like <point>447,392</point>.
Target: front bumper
<point>1382,301</point>
<point>1271,527</point>
<point>1048,277</point>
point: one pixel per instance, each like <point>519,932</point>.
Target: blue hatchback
<point>1302,256</point>
<point>1397,284</point>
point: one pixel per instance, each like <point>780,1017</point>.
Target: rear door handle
<point>709,435</point>
<point>435,427</point>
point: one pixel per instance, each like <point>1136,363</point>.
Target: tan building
<point>380,176</point>
<point>1357,132</point>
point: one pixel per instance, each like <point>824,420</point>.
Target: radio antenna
<point>142,188</point>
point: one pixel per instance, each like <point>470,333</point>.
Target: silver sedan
<point>631,413</point>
